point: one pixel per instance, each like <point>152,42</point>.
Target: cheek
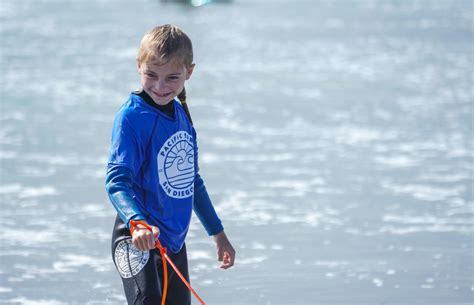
<point>146,83</point>
<point>179,85</point>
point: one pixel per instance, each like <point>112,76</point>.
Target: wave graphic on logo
<point>179,165</point>
<point>176,165</point>
<point>128,259</point>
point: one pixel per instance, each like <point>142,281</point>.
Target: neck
<point>168,108</point>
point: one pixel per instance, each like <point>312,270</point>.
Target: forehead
<point>171,66</point>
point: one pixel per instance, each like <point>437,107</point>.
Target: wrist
<point>219,236</point>
<point>137,225</point>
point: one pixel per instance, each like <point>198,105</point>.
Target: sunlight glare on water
<point>335,139</point>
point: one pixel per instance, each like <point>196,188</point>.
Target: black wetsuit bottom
<point>142,272</point>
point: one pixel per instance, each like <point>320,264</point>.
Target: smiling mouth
<point>162,95</point>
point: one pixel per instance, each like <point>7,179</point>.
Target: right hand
<point>144,239</point>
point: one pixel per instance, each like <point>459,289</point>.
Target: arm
<point>118,184</point>
<point>119,188</point>
<point>225,251</point>
<point>207,215</point>
<point>126,156</point>
<point>204,209</point>
<point>202,204</point>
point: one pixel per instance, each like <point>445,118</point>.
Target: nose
<point>160,84</point>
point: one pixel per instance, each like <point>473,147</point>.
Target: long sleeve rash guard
<point>152,171</point>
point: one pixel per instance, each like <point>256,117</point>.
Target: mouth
<point>162,94</point>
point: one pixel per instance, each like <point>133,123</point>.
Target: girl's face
<point>163,82</point>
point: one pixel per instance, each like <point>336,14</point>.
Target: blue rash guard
<point>152,172</point>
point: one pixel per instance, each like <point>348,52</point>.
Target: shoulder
<point>134,109</point>
<point>134,117</point>
<point>181,113</point>
<point>178,105</point>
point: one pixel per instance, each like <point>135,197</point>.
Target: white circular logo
<point>176,165</point>
<point>128,259</point>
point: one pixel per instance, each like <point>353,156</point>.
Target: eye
<point>150,75</point>
<point>173,78</point>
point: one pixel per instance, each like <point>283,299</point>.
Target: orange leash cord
<point>165,257</point>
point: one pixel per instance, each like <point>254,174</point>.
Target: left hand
<point>225,251</point>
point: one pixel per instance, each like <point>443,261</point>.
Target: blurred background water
<point>336,140</point>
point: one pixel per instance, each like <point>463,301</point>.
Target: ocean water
<point>336,141</point>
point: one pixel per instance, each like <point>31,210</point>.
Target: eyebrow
<point>154,73</point>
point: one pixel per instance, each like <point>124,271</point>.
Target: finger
<point>143,242</point>
<point>152,242</point>
<point>149,240</point>
<point>156,232</point>
<point>143,245</point>
<point>226,262</point>
<point>136,238</point>
<point>137,242</point>
<point>220,255</point>
<point>229,258</point>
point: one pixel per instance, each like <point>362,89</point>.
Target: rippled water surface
<point>336,140</point>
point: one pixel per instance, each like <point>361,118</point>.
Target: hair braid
<point>182,99</point>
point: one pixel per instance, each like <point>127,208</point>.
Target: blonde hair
<point>164,43</point>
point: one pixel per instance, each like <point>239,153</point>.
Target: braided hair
<point>182,99</point>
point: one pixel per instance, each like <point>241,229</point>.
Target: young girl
<point>152,174</point>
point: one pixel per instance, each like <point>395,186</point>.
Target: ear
<point>189,71</point>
